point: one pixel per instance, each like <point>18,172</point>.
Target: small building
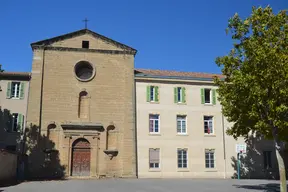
<point>14,88</point>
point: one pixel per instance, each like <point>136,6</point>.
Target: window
<point>83,105</point>
<point>179,95</point>
<point>181,124</point>
<point>154,158</point>
<point>15,90</point>
<point>208,96</point>
<point>17,122</point>
<point>85,44</point>
<point>152,93</point>
<point>267,159</point>
<point>207,93</point>
<point>209,159</point>
<point>154,123</point>
<point>208,125</point>
<point>182,158</point>
<point>84,71</point>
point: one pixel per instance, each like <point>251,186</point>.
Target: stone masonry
<point>54,99</point>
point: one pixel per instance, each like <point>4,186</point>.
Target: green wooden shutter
<point>202,96</point>
<point>20,122</point>
<point>8,93</point>
<point>183,95</point>
<point>148,93</point>
<point>214,96</point>
<point>175,95</point>
<point>22,88</point>
<point>156,93</point>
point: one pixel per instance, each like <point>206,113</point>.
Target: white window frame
<point>155,167</point>
<point>154,120</point>
<point>209,160</point>
<point>18,88</point>
<point>179,94</point>
<point>181,119</point>
<point>210,121</point>
<point>182,158</point>
<point>210,96</point>
<point>153,95</point>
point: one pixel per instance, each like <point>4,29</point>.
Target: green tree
<point>1,70</point>
<point>254,92</point>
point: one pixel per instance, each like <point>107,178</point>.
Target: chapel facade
<point>81,107</point>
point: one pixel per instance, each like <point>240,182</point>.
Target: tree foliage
<point>254,93</point>
<point>1,70</point>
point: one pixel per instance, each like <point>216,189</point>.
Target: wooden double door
<point>81,157</point>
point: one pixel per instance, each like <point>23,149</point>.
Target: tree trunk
<point>281,165</point>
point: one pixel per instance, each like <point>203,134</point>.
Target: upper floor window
<point>84,71</point>
<point>208,125</point>
<point>267,159</point>
<point>154,158</point>
<point>208,96</point>
<point>85,44</point>
<point>15,90</point>
<point>181,124</point>
<point>209,159</point>
<point>179,95</point>
<point>83,106</point>
<point>154,123</point>
<point>152,93</point>
<point>182,158</point>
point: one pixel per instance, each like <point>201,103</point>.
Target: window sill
<point>182,134</point>
<point>208,104</point>
<point>183,170</point>
<point>211,170</point>
<point>153,102</point>
<point>15,98</point>
<point>180,103</point>
<point>154,134</point>
<point>154,170</point>
<point>209,135</point>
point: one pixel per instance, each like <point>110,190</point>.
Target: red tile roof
<point>178,73</point>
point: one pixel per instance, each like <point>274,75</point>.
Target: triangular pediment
<point>75,39</point>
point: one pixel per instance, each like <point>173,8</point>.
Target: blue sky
<point>183,35</point>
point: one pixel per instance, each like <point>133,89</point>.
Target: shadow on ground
<point>271,187</point>
<point>41,158</point>
<point>37,157</point>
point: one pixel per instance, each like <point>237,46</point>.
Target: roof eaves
<point>174,77</point>
<point>79,32</point>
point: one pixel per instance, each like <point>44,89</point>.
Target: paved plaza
<point>146,185</point>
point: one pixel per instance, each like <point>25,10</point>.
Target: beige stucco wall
<point>14,106</point>
<point>195,141</point>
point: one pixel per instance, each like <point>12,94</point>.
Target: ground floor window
<point>182,158</point>
<point>154,158</point>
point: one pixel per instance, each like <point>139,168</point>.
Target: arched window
<point>83,109</point>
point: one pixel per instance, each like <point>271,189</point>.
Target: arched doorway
<point>81,156</point>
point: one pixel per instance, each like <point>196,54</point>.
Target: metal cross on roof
<point>86,21</point>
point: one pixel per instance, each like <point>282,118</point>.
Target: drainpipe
<point>224,143</point>
<point>41,90</point>
<point>135,126</point>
